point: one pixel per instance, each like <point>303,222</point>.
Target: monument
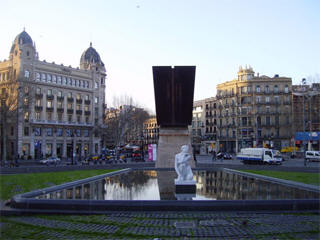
<point>184,184</point>
<point>173,88</point>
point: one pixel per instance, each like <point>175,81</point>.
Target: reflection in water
<point>153,185</point>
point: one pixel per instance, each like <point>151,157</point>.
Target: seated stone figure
<point>182,165</point>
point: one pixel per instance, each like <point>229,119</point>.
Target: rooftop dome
<point>91,55</point>
<point>23,38</point>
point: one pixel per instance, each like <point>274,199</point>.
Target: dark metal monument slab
<point>173,88</point>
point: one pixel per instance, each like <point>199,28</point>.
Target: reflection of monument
<point>173,89</point>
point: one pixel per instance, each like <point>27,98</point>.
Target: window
<point>43,77</point>
<point>26,116</point>
<point>37,131</point>
<point>26,101</point>
<point>286,89</point>
<point>49,131</point>
<point>96,99</point>
<point>54,79</point>
<point>49,104</point>
<point>86,108</point>
<point>26,74</point>
<point>267,99</point>
<point>38,116</point>
<point>78,132</point>
<point>28,53</point>
<point>78,107</point>
<point>64,81</point>
<point>38,91</point>
<point>59,132</point>
<point>258,89</point>
<point>78,96</point>
<point>26,131</point>
<point>59,80</point>
<point>38,103</point>
<point>268,120</point>
<point>85,133</point>
<point>49,92</point>
<point>258,99</point>
<point>86,97</point>
<point>69,94</point>
<point>69,81</point>
<point>49,78</point>
<point>59,104</point>
<point>276,120</point>
<point>87,84</point>
<point>276,99</point>
<point>69,105</point>
<point>69,118</point>
<point>49,116</point>
<point>267,109</point>
<point>60,117</point>
<point>12,131</point>
<point>249,89</point>
<point>275,89</point>
<point>73,82</point>
<point>78,118</point>
<point>59,93</point>
<point>258,121</point>
<point>267,90</point>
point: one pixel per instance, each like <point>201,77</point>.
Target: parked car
<point>312,156</point>
<point>221,155</point>
<point>50,160</point>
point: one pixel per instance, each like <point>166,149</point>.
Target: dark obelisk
<point>173,89</point>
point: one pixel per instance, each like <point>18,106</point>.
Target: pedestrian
<point>213,155</point>
<point>194,155</point>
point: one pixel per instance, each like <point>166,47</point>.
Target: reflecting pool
<point>159,185</point>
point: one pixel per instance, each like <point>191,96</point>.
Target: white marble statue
<point>182,165</point>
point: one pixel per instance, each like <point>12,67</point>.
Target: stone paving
<point>164,225</point>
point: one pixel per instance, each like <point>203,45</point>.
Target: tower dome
<point>23,38</point>
<point>89,57</point>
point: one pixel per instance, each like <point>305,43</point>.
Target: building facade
<point>254,111</point>
<point>151,131</point>
<point>306,116</point>
<point>60,108</point>
<point>198,126</point>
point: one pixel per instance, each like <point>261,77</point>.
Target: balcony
<point>87,113</point>
<point>49,109</point>
<point>79,112</point>
<point>39,95</point>
<point>70,99</point>
<point>61,98</point>
<point>79,101</point>
<point>38,108</point>
<point>50,97</point>
<point>60,110</point>
<point>87,102</point>
<point>70,111</point>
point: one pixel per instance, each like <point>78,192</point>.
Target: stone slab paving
<point>163,225</point>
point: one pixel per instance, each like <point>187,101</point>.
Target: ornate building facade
<point>253,111</point>
<point>60,108</point>
<point>151,131</point>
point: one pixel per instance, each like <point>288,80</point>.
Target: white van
<point>257,156</point>
<point>312,156</point>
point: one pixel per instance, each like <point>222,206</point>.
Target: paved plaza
<point>164,225</point>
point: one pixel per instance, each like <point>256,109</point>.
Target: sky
<point>217,36</point>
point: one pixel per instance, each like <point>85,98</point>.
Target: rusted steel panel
<point>173,90</point>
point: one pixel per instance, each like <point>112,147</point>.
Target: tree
<point>8,109</point>
<point>124,122</point>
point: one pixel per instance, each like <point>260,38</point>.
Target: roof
<point>91,55</point>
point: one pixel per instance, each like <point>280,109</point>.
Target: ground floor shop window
<point>48,149</point>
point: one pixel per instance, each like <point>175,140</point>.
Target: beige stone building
<point>197,129</point>
<point>151,131</point>
<point>60,108</point>
<point>254,110</point>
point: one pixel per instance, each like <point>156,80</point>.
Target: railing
<point>79,112</point>
<point>70,111</point>
<point>38,108</point>
<point>37,121</point>
<point>49,109</point>
<point>60,110</point>
<point>87,102</point>
<point>50,97</point>
<point>79,101</point>
<point>70,99</point>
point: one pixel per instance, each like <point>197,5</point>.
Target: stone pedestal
<point>170,141</point>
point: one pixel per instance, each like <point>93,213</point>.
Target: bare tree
<point>124,121</point>
<point>8,109</point>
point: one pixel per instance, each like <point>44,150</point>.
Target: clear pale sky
<point>273,36</point>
